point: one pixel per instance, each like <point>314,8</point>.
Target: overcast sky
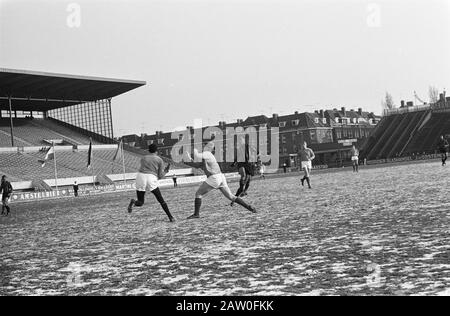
<point>222,60</point>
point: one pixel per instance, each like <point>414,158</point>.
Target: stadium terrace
<point>40,110</point>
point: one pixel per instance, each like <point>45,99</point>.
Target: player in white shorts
<point>151,170</point>
<point>355,159</point>
<point>306,157</point>
<point>261,168</point>
<point>215,180</point>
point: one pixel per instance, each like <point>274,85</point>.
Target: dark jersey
<point>306,154</point>
<point>247,165</point>
<point>6,188</point>
<point>443,144</point>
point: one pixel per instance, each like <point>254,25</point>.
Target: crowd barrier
<point>403,159</point>
<point>107,188</point>
<point>130,186</point>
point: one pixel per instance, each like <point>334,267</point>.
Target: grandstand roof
<point>42,91</point>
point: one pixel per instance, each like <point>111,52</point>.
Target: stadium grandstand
<point>39,110</point>
<point>409,130</point>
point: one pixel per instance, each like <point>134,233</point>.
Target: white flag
<point>50,155</point>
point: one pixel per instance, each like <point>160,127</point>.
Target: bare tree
<point>388,102</point>
<point>433,93</point>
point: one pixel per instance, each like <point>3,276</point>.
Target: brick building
<point>330,133</point>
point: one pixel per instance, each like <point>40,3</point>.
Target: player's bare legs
<point>306,177</point>
<point>355,166</point>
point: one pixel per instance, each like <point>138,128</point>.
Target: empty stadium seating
<point>427,137</point>
<point>5,139</point>
<point>24,161</point>
<point>407,133</point>
<point>368,149</point>
<point>404,133</point>
<point>34,133</point>
<point>66,133</point>
<point>27,166</point>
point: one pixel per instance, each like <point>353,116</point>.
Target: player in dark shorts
<point>75,189</point>
<point>6,190</point>
<point>246,170</point>
<point>151,170</point>
<point>443,148</point>
<point>174,179</point>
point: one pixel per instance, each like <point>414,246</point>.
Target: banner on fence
<point>99,189</point>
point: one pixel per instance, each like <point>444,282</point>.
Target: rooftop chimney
<point>322,114</point>
<point>296,112</point>
<point>275,116</point>
<point>344,113</point>
<point>402,103</point>
<point>360,111</point>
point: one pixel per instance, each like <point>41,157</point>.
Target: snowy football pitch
<point>384,231</point>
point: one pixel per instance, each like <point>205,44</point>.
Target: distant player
<point>6,189</point>
<point>151,170</point>
<point>174,179</point>
<point>75,189</point>
<point>261,169</point>
<point>250,172</point>
<point>355,159</point>
<point>215,180</point>
<point>306,157</point>
<point>246,170</point>
<point>443,148</point>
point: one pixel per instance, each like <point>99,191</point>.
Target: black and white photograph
<point>224,154</point>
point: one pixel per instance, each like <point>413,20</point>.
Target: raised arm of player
<point>197,155</point>
<point>166,170</point>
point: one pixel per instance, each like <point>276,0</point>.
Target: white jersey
<point>210,165</point>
